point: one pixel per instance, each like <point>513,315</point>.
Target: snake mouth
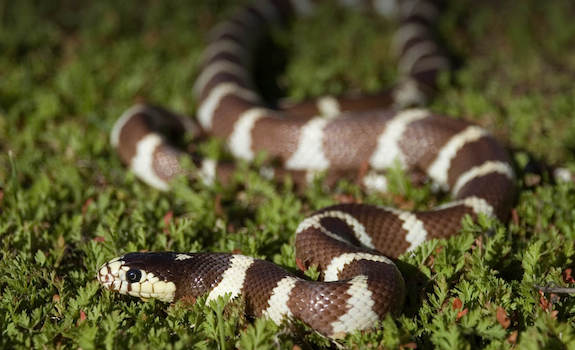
<point>117,276</point>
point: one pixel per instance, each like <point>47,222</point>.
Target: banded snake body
<point>352,244</point>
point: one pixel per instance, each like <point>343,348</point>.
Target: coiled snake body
<point>350,243</point>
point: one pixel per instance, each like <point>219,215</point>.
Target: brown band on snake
<point>341,137</point>
<point>261,280</point>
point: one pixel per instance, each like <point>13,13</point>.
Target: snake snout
<point>109,274</point>
<point>118,275</point>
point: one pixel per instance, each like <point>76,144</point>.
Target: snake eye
<point>133,275</point>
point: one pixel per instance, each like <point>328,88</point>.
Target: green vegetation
<point>68,69</point>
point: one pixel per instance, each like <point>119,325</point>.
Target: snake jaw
<point>114,276</point>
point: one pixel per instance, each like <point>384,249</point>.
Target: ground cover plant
<point>67,205</point>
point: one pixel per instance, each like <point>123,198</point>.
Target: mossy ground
<point>68,69</point>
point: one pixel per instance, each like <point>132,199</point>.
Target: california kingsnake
<point>338,137</point>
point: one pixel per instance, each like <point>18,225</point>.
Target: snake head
<point>139,274</point>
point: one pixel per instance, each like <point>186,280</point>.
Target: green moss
<point>67,205</point>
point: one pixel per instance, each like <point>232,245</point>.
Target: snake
<point>353,245</point>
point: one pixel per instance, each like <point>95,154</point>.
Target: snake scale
<point>352,244</point>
